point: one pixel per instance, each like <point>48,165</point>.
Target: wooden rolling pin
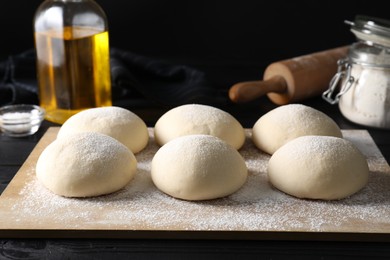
<point>293,79</point>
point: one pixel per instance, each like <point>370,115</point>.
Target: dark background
<point>230,41</point>
<point>255,32</point>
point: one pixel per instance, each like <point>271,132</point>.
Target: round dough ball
<point>85,164</point>
<point>287,122</point>
<point>318,167</point>
<point>119,123</point>
<point>199,119</point>
<point>198,167</point>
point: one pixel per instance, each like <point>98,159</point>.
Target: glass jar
<point>361,87</point>
<point>73,63</point>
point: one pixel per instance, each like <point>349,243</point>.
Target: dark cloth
<point>18,82</point>
<point>134,77</point>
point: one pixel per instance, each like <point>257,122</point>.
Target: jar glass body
<point>73,62</point>
<point>367,99</point>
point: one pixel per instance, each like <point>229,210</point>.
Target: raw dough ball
<point>119,123</point>
<point>287,122</point>
<point>199,119</point>
<point>85,164</point>
<point>318,167</point>
<point>198,167</point>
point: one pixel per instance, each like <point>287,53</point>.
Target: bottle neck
<point>72,1</point>
<point>56,14</point>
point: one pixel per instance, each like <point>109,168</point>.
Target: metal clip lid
<point>343,70</point>
<point>371,29</point>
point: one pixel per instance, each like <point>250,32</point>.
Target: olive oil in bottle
<point>73,65</point>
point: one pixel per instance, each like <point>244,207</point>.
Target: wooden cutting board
<point>256,211</point>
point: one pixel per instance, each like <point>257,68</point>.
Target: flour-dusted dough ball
<point>85,164</point>
<point>198,167</point>
<point>287,122</point>
<point>318,167</point>
<point>119,123</point>
<point>199,119</point>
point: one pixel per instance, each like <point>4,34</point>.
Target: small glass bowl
<point>21,120</point>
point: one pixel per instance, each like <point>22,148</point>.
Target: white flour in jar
<point>367,102</point>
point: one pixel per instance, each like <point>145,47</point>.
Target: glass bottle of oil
<point>73,63</point>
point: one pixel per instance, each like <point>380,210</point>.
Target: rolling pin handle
<point>250,90</point>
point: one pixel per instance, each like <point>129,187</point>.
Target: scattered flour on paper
<point>256,206</point>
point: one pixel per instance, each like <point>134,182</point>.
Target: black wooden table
<point>14,151</point>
